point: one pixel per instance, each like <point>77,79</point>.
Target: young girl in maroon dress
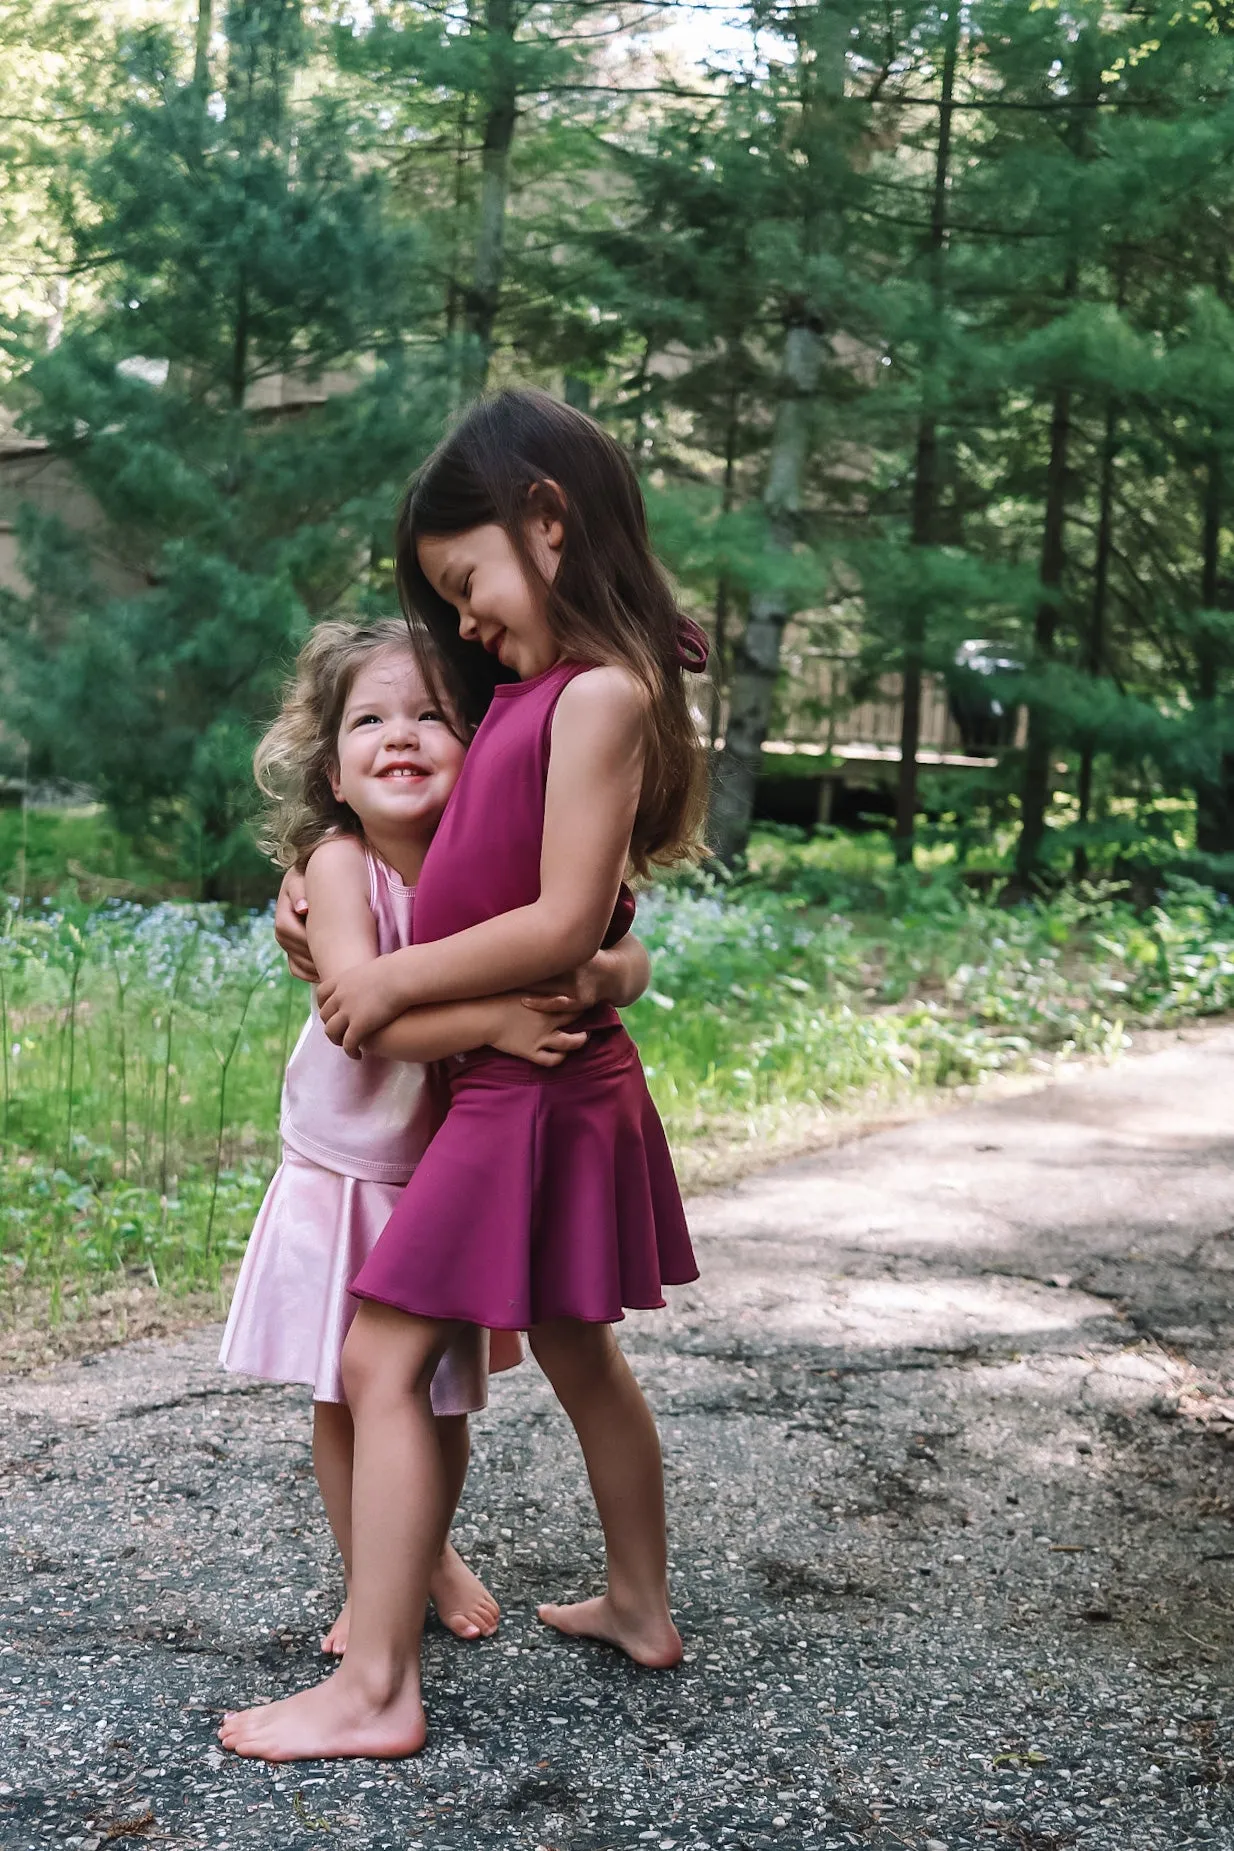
<point>547,1200</point>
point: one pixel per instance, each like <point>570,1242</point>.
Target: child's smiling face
<point>398,758</point>
<point>499,605</point>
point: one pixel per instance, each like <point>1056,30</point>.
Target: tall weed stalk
<point>221,1124</point>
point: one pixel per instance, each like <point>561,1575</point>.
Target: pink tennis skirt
<point>546,1193</point>
<point>292,1309</point>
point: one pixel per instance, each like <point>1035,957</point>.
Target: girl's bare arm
<point>342,932</point>
<point>534,1027</point>
<point>594,783</point>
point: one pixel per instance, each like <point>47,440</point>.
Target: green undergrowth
<point>768,1003</point>
<point>142,1047</point>
<point>43,853</point>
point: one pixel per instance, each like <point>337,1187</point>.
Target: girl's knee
<point>570,1352</point>
<point>359,1364</point>
<point>387,1357</point>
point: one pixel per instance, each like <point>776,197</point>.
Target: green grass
<point>142,1047</point>
<point>141,1054</point>
<point>44,853</point>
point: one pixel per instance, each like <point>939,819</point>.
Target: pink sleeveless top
<point>485,858</point>
<point>368,1118</point>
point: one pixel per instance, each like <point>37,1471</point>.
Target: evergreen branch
<point>953,225</point>
<point>1165,646</point>
<point>673,90</point>
<point>891,50</point>
<point>1045,107</point>
<point>48,122</point>
<point>1165,563</point>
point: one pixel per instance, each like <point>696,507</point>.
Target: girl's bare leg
<point>333,1445</point>
<point>462,1601</point>
<point>371,1705</point>
<point>595,1386</point>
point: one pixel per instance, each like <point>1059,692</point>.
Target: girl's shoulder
<point>609,691</point>
<point>339,858</point>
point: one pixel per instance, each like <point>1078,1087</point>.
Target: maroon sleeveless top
<point>485,858</point>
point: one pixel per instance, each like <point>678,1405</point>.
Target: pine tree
<point>818,137</point>
<point>245,258</point>
<point>489,118</point>
<point>57,100</point>
<point>660,301</point>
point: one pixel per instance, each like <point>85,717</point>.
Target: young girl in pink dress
<point>358,768</point>
<point>547,1200</point>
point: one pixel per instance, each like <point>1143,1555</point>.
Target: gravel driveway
<point>952,1526</point>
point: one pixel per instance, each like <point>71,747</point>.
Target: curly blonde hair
<point>297,758</point>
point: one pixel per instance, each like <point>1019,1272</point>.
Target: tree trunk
<point>756,657</point>
<point>1035,791</point>
<point>1039,750</point>
<point>482,298</point>
<point>201,48</point>
<point>1214,823</point>
<point>1094,641</point>
<point>822,41</point>
<point>241,83</point>
<point>454,290</point>
<point>638,439</point>
<point>925,470</point>
<point>240,345</point>
<point>719,660</point>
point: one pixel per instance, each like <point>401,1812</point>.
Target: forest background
<point>916,321</point>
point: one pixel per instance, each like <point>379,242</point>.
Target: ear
<point>335,786</point>
<point>546,517</point>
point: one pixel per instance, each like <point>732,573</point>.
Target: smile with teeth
<point>402,771</point>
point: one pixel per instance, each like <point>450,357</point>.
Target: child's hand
<point>576,991</point>
<point>536,1037</point>
<point>619,975</point>
<point>358,1003</point>
<point>289,931</point>
<point>571,994</point>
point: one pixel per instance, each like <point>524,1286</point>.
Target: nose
<point>468,629</point>
<point>404,731</point>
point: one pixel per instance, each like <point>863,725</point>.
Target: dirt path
<point>953,1529</point>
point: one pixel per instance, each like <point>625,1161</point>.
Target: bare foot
<point>335,1641</point>
<point>462,1601</point>
<point>339,1717</point>
<point>649,1639</point>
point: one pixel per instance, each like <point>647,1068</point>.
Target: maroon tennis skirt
<point>547,1193</point>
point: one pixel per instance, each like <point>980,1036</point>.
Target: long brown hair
<point>296,759</point>
<point>609,604</point>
